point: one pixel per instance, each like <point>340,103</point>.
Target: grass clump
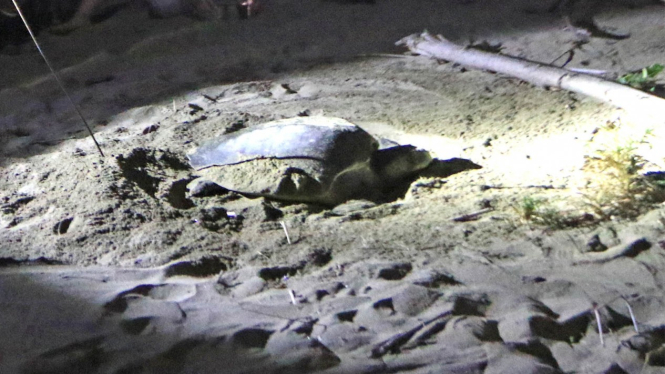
<point>541,212</point>
<point>642,79</point>
<point>618,186</point>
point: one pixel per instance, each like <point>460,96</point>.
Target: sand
<point>111,265</point>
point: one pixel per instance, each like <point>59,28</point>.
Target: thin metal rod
<point>600,325</point>
<point>632,316</point>
<point>286,232</point>
<point>57,78</point>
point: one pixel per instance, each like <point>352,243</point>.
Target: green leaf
<point>643,78</point>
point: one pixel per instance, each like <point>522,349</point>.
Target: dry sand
<point>109,265</point>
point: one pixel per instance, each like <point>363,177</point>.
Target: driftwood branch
<point>537,73</point>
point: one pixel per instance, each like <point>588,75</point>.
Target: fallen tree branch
<point>537,73</point>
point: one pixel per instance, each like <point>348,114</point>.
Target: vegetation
<point>642,79</point>
<point>542,212</point>
<point>619,186</point>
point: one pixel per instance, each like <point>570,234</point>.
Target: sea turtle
<point>306,159</point>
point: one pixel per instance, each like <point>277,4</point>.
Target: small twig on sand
<point>599,73</point>
<point>539,74</point>
<point>486,187</point>
<point>386,55</point>
<point>471,216</point>
<point>288,239</point>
